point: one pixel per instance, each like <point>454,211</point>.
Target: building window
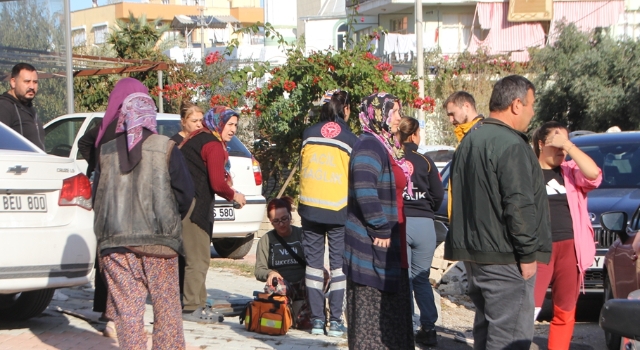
<point>101,34</point>
<point>342,37</point>
<point>165,2</point>
<point>189,2</point>
<point>398,25</point>
<point>79,37</point>
<point>455,32</point>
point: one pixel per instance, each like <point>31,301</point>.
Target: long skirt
<point>377,319</point>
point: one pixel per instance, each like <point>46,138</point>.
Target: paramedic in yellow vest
<point>461,110</point>
<point>324,176</point>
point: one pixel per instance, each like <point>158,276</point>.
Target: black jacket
<point>427,185</point>
<point>500,212</point>
<point>21,118</point>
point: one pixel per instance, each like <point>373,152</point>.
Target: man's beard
<point>26,100</point>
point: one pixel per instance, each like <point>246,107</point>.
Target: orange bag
<point>268,314</point>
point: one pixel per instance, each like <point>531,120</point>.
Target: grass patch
<point>241,268</point>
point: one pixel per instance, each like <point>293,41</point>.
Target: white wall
<point>281,12</point>
<point>320,34</point>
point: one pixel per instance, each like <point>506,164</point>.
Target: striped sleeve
<point>366,170</point>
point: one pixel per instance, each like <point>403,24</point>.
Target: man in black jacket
<point>500,218</point>
<point>16,107</point>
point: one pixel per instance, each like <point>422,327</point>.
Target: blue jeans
<point>421,243</point>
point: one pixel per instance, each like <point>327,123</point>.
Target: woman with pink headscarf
<point>142,192</point>
<point>375,253</point>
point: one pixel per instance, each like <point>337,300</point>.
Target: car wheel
<point>612,340</point>
<point>22,306</point>
<point>233,248</point>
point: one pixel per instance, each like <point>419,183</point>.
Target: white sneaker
<point>58,295</point>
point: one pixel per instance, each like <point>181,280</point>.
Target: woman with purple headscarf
<point>375,254</point>
<point>88,145</point>
<point>142,191</point>
<point>206,154</point>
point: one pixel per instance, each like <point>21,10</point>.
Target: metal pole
<point>420,68</point>
<point>68,56</point>
<point>160,100</point>
<point>202,32</point>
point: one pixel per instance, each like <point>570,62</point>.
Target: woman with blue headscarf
<point>207,159</point>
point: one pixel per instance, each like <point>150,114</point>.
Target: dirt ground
<point>458,313</point>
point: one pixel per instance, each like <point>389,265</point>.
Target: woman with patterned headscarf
<point>375,255</point>
<point>142,191</point>
<point>207,159</point>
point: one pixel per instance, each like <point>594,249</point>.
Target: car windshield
<point>620,163</point>
<point>441,156</point>
<point>235,147</point>
<point>12,141</point>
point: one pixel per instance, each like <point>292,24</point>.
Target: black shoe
<point>427,337</point>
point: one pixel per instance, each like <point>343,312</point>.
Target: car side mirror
<point>615,221</point>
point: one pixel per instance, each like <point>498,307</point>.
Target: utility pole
<point>420,68</point>
<point>68,57</point>
<point>202,24</point>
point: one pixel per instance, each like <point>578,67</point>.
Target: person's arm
<point>636,244</point>
<point>587,166</point>
<point>262,257</point>
<point>181,181</point>
<point>87,148</point>
<point>515,181</point>
<point>436,190</point>
<point>213,156</point>
<point>366,166</point>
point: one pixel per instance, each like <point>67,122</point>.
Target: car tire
<point>612,340</point>
<point>22,306</point>
<point>233,248</point>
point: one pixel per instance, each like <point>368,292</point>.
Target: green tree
<point>588,81</point>
<point>28,28</point>
<point>136,38</point>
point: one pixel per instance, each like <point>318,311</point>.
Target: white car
<point>441,155</point>
<point>233,229</point>
<point>46,225</point>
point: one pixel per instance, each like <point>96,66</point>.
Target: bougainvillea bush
<point>284,100</point>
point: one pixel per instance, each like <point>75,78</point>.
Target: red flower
<point>275,70</point>
<point>383,66</point>
<point>370,56</point>
<point>289,85</point>
<point>316,80</point>
<point>332,68</point>
<point>385,77</point>
<point>212,58</point>
<point>415,84</point>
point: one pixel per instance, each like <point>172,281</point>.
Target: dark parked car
<point>621,317</point>
<point>618,155</point>
<point>622,269</point>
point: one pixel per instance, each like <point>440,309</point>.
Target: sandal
<point>110,330</point>
<point>203,315</point>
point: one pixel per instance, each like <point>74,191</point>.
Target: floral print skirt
<point>377,319</point>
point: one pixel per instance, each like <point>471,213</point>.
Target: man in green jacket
<point>500,218</point>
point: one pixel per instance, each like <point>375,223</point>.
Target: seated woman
<point>274,260</point>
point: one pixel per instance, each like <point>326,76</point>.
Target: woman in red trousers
<point>567,184</point>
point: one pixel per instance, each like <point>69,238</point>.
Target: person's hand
<point>239,197</point>
<point>636,244</point>
<point>382,243</point>
<point>528,270</point>
<point>558,140</point>
<point>273,274</point>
